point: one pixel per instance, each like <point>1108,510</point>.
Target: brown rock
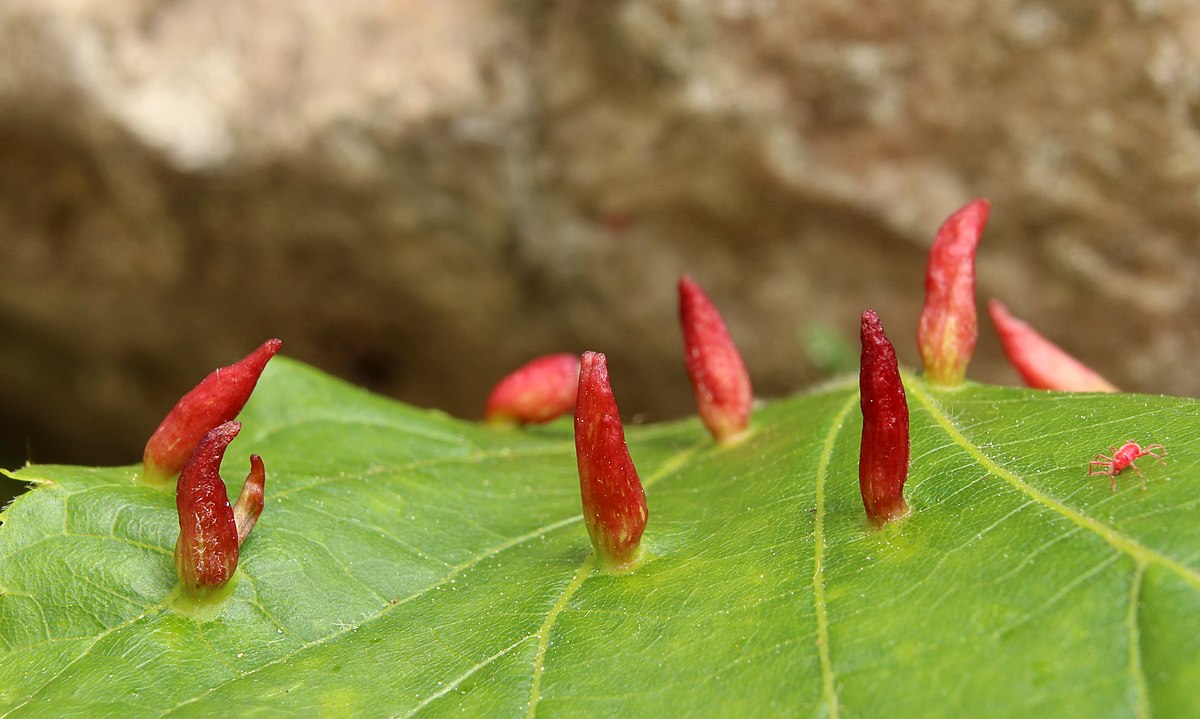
<point>420,196</point>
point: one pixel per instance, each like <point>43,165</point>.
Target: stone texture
<point>420,196</point>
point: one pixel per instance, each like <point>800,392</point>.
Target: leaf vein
<point>1057,596</point>
<point>370,472</point>
<point>257,603</point>
<point>1028,559</point>
<point>1137,673</point>
<point>1118,541</point>
<point>405,430</point>
<point>83,654</point>
<point>337,561</point>
<point>828,684</point>
<point>452,685</point>
<point>417,551</point>
<point>458,569</point>
<point>543,633</point>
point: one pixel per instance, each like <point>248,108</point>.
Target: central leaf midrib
<point>1117,540</point>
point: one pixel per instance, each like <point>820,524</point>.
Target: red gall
<point>538,391</point>
<point>1040,362</point>
<point>210,530</point>
<point>883,454</point>
<point>948,328</point>
<point>614,504</point>
<point>217,399</point>
<point>714,365</point>
<point>249,503</point>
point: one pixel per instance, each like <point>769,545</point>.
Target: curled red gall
<point>714,365</point>
<point>210,530</point>
<point>614,503</point>
<point>217,399</point>
<point>1040,362</point>
<point>884,452</point>
<point>948,327</point>
<point>538,391</point>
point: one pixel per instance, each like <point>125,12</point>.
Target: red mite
<point>1110,466</point>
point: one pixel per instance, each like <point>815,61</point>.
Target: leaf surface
<point>410,564</point>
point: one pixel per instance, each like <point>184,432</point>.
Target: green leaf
<point>410,564</point>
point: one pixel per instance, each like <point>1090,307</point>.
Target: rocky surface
<point>419,196</point>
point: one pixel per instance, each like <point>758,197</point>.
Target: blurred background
<point>419,196</point>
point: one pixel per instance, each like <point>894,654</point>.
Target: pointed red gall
<point>948,328</point>
<point>714,365</point>
<point>1041,363</point>
<point>217,399</point>
<point>206,553</point>
<point>614,504</point>
<point>883,454</point>
<point>538,391</point>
